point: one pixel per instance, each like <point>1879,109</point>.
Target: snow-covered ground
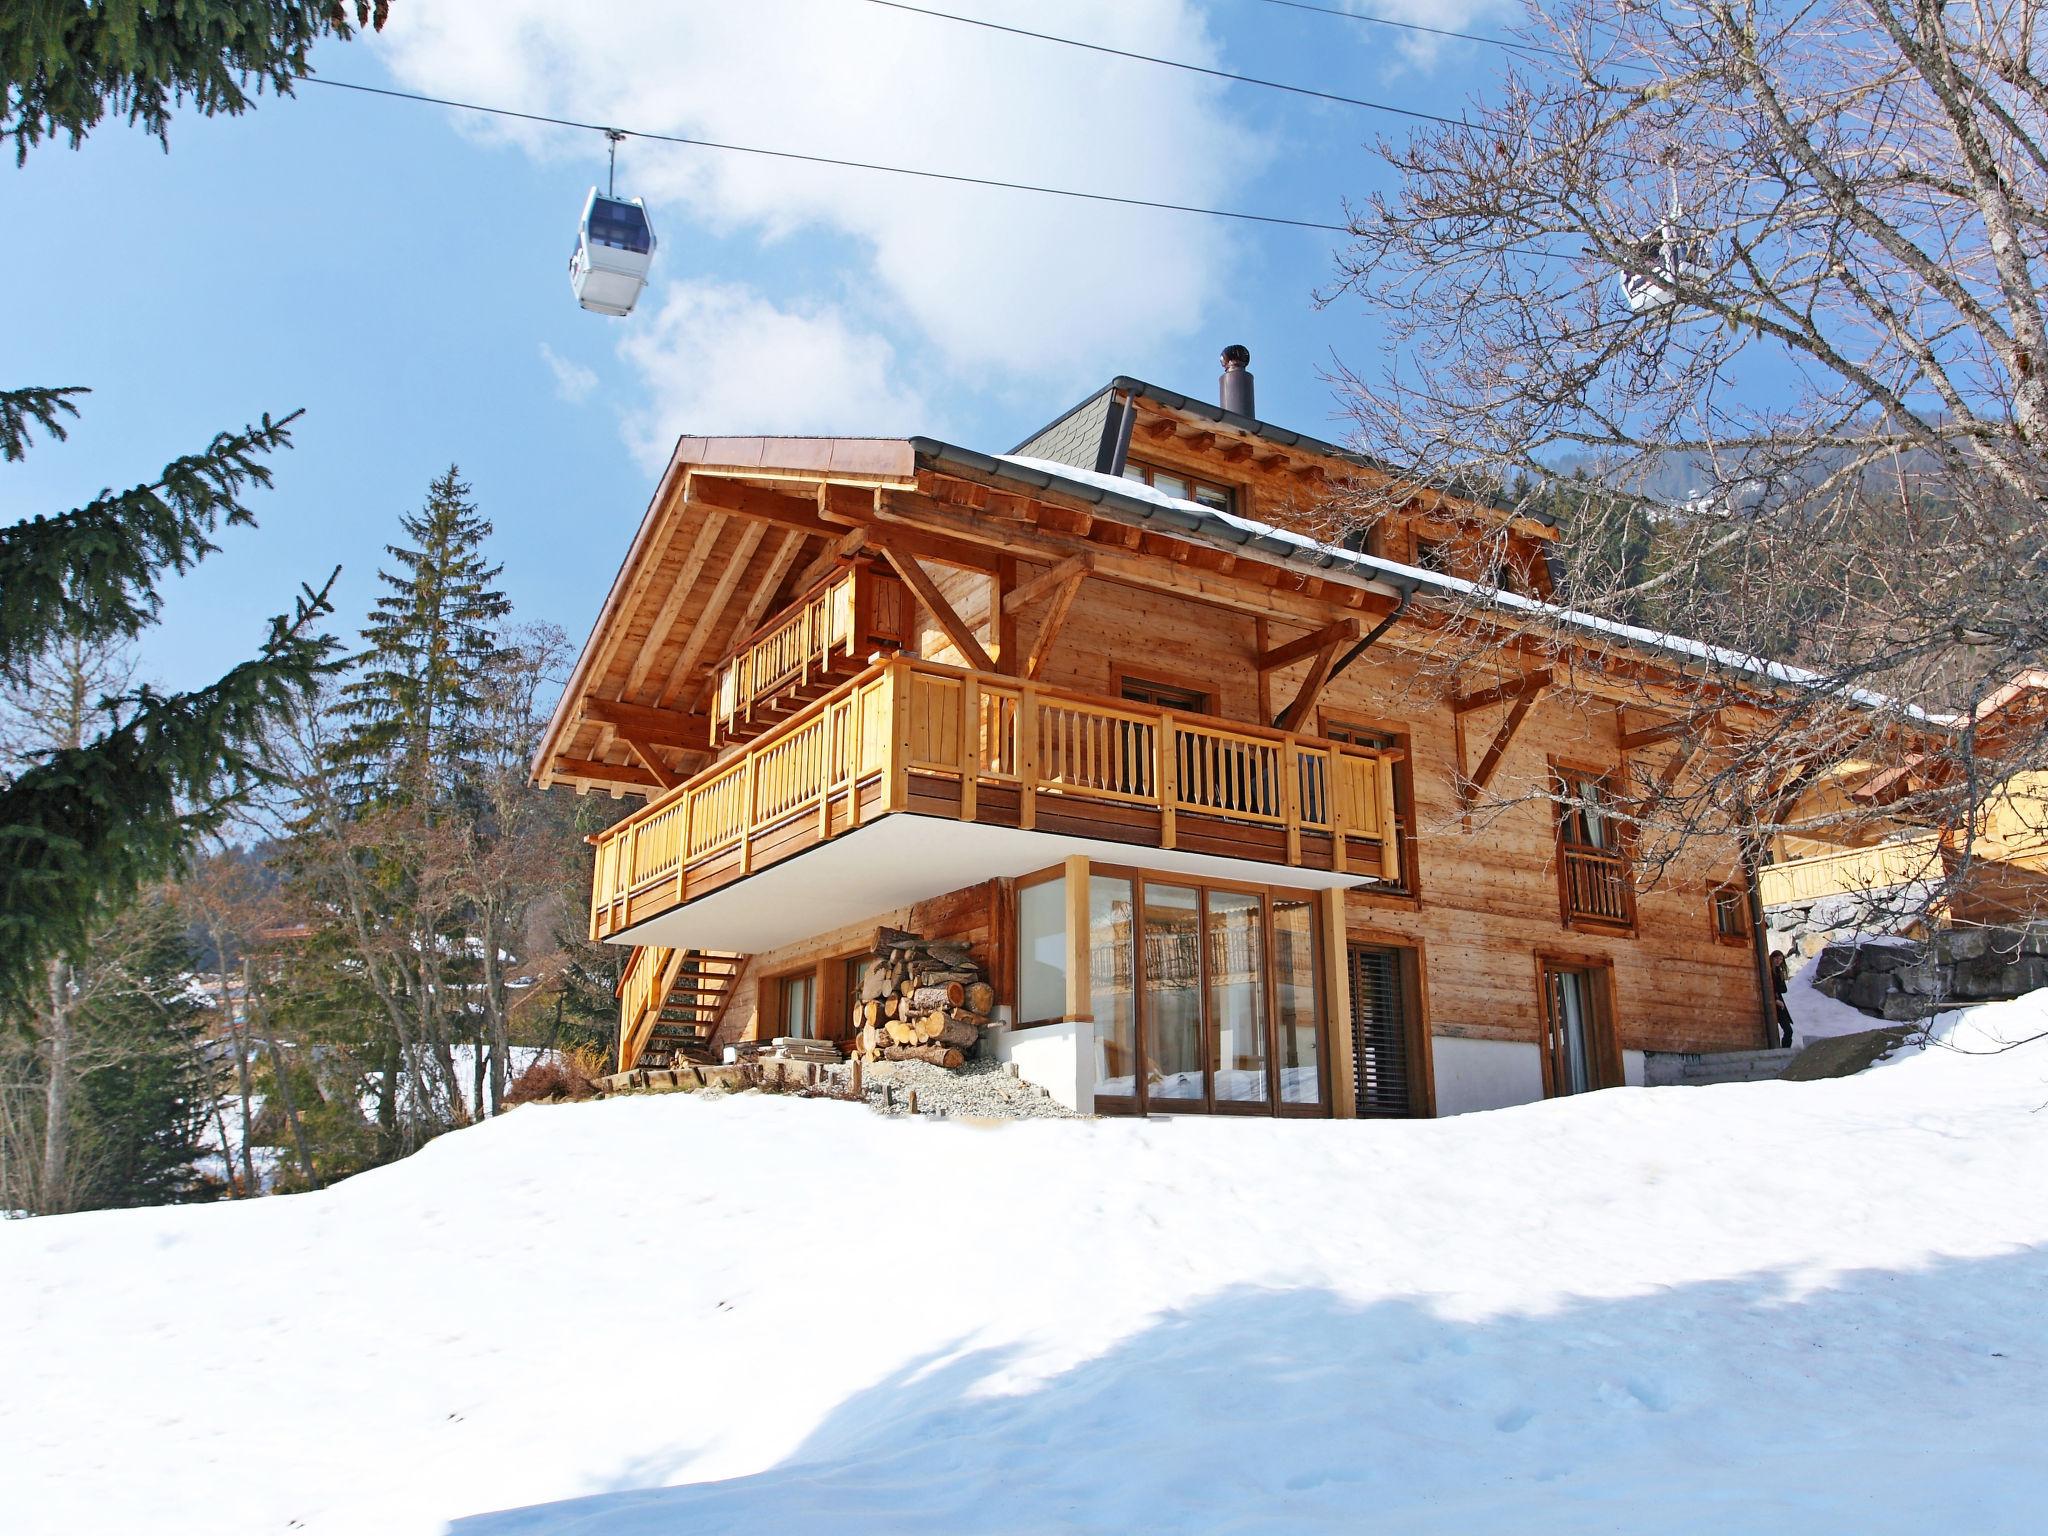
<point>1758,1308</point>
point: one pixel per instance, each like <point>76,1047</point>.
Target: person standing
<point>1780,980</point>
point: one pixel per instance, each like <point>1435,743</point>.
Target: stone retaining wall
<point>1904,979</point>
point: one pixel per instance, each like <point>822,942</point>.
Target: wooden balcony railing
<point>1596,887</point>
<point>906,735</point>
<point>1853,871</point>
<point>649,974</point>
<point>809,648</point>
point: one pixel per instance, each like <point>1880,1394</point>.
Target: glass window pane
<point>1042,952</point>
<point>1173,993</point>
<point>1213,496</point>
<point>1169,485</point>
<point>1294,992</point>
<point>1237,996</point>
<point>796,1006</point>
<point>1112,943</point>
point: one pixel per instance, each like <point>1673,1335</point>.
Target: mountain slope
<point>1765,1307</point>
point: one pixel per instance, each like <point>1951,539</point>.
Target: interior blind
<point>1379,1032</point>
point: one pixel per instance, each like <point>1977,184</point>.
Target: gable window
<point>1594,884</point>
<point>1382,740</point>
<point>1171,482</point>
<point>1433,555</point>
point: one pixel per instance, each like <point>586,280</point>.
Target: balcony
<point>1596,888</point>
<point>1853,872</point>
<point>1024,775</point>
<point>807,650</point>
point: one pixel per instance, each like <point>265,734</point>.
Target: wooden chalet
<point>1107,712</point>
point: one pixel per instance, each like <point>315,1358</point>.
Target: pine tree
<point>413,711</point>
<point>87,824</point>
<point>64,63</point>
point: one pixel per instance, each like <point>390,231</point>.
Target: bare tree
<point>1819,431</point>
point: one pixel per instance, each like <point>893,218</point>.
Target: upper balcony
<point>911,779</point>
<point>807,650</point>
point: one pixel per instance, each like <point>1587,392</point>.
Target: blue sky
<point>399,272</point>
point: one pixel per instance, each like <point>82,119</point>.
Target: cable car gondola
<point>1676,254</point>
<point>614,248</point>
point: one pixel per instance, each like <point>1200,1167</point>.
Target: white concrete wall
<point>1485,1074</point>
<point>1632,1068</point>
<point>1060,1058</point>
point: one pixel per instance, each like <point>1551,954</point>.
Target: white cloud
<point>720,358</point>
<point>573,381</point>
<point>994,285</point>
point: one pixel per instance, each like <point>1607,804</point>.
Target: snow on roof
<point>1301,546</point>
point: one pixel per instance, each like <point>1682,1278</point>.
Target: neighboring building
<point>1889,868</point>
<point>1186,777</point>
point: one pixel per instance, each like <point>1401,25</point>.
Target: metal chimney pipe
<point>1234,389</point>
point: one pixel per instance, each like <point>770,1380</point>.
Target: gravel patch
<point>981,1089</point>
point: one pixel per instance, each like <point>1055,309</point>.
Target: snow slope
<point>1764,1308</point>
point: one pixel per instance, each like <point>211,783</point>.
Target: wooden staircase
<point>671,1002</point>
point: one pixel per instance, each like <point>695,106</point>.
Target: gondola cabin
<point>614,248</point>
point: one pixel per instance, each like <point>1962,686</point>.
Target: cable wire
<point>851,165</point>
<point>1193,69</point>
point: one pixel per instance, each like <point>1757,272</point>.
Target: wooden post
<point>747,813</point>
<point>970,745</point>
<point>1336,991</point>
<point>1027,756</point>
<point>685,816</point>
<point>898,767</point>
<point>1390,831</point>
<point>856,755</point>
<point>1166,776</point>
<point>1290,795</point>
<point>1080,989</point>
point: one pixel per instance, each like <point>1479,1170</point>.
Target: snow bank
<point>1763,1308</point>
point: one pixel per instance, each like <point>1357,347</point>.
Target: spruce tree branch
<point>90,573</point>
<point>21,408</point>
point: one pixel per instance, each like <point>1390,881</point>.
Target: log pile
<point>920,1000</point>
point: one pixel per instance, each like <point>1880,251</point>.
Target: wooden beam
<point>650,759</point>
<point>778,567</point>
<point>659,727</point>
<point>1650,735</point>
<point>702,632</point>
<point>1688,749</point>
<point>672,604</point>
<point>834,554</point>
<point>602,773</point>
<point>1160,428</point>
<point>914,577</point>
<point>1470,791</point>
<point>1047,581</point>
<point>753,501</point>
<point>1513,688</point>
<point>1055,617</point>
<point>1305,645</point>
<point>1311,689</point>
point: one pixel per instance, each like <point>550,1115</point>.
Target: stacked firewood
<point>920,1000</point>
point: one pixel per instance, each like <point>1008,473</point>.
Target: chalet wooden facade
<point>1109,712</point>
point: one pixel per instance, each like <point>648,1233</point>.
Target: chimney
<point>1235,387</point>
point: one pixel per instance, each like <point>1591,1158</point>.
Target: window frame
<point>1205,698</point>
<point>1147,470</point>
<point>1408,894</point>
<point>1566,774</point>
<point>1415,980</point>
<point>1139,1102</point>
<point>1737,893</point>
<point>781,983</point>
<point>1604,1048</point>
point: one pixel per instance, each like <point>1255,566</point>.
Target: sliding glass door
<point>1205,998</point>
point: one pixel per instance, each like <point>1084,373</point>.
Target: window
<point>1170,482</point>
<point>1579,1044</point>
<point>1381,740</point>
<point>799,1003</point>
<point>1730,906</point>
<point>1433,555</point>
<point>1205,998</point>
<point>1595,888</point>
<point>1042,952</point>
<point>1386,1038</point>
<point>1185,701</point>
